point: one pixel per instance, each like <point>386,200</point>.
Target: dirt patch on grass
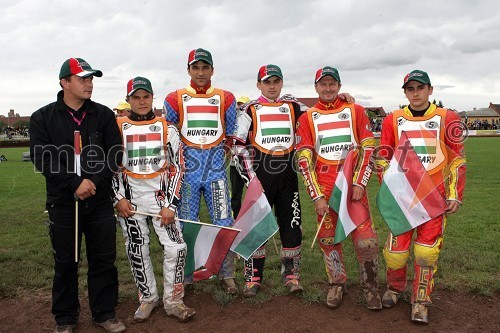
<point>451,312</point>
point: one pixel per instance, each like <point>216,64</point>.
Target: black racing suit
<point>52,152</point>
<point>279,180</point>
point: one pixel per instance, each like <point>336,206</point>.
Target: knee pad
<point>395,260</point>
<point>427,255</point>
<point>368,246</point>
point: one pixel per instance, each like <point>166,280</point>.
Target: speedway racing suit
<point>151,178</point>
<point>436,137</point>
<point>325,134</point>
<point>265,140</point>
<point>205,117</point>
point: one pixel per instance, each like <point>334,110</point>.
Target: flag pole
<point>77,145</point>
<point>317,231</point>
<point>188,221</point>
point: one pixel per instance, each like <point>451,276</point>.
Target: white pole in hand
<point>78,146</point>
<point>317,231</point>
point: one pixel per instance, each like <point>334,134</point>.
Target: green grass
<point>468,262</point>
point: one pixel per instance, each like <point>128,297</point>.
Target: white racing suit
<point>151,178</point>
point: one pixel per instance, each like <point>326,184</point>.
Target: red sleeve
<point>305,157</point>
<point>386,147</point>
<point>303,135</point>
<point>172,100</point>
<point>456,156</point>
<point>364,165</point>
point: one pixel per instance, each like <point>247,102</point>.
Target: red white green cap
<point>200,54</point>
<point>327,70</point>
<point>137,83</point>
<point>265,72</point>
<point>417,75</point>
<point>79,67</point>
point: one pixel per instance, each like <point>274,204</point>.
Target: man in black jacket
<point>52,131</point>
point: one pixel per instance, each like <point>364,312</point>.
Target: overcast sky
<point>372,43</point>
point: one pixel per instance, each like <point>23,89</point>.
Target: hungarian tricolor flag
<point>144,145</point>
<point>275,124</point>
<point>204,116</point>
<point>351,213</point>
<point>207,247</point>
<point>255,220</point>
<point>407,197</point>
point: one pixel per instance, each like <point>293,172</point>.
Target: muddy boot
<point>390,299</point>
<point>180,311</point>
<point>334,296</point>
<point>229,286</point>
<point>372,298</point>
<point>144,311</point>
<point>250,289</point>
<point>419,313</point>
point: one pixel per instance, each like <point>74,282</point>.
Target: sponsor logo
<point>315,115</point>
<point>401,121</point>
<point>258,106</point>
<point>154,128</point>
<point>126,126</point>
<point>296,211</point>
<point>186,98</point>
<point>179,266</point>
<point>326,241</point>
<point>219,200</point>
<point>134,250</point>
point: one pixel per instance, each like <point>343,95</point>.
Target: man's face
<point>418,94</point>
<point>141,102</point>
<point>327,88</point>
<point>78,87</point>
<point>122,113</point>
<point>271,88</point>
<point>200,73</point>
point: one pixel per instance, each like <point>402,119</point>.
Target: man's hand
<point>321,206</point>
<point>124,208</point>
<point>357,193</point>
<point>167,216</point>
<point>453,206</point>
<point>85,190</point>
<point>347,97</point>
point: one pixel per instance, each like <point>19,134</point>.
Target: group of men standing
<point>162,166</point>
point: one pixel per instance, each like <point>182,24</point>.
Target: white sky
<point>372,43</point>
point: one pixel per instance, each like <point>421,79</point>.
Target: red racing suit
<point>444,160</point>
<point>325,134</point>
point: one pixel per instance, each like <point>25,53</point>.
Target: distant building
<point>13,118</point>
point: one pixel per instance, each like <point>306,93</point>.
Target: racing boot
<point>250,289</point>
<point>229,286</point>
<point>144,311</point>
<point>290,269</point>
<point>372,298</point>
<point>419,313</point>
<point>334,296</point>
<point>390,298</point>
<point>180,311</point>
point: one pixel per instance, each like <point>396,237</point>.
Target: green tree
<point>2,125</point>
<point>21,124</point>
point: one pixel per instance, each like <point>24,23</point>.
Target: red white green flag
<point>351,213</point>
<point>255,220</point>
<point>144,145</point>
<point>275,124</point>
<point>334,132</point>
<point>207,246</point>
<point>407,197</point>
<point>204,116</point>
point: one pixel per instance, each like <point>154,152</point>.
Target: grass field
<point>469,261</point>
